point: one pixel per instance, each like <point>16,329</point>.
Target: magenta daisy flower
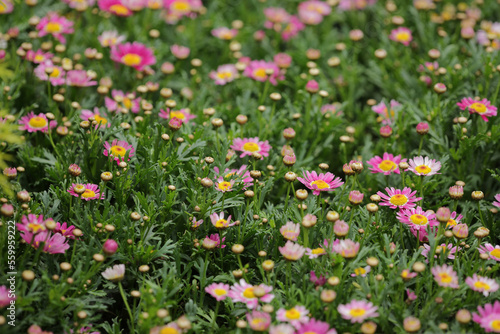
<point>396,198</point>
<point>183,114</point>
<point>449,250</point>
<point>5,296</point>
<point>454,220</point>
<point>321,182</point>
<point>387,165</point>
<point>6,7</point>
<point>65,230</point>
<point>32,223</point>
<point>219,222</point>
<point>243,292</point>
<point>481,107</point>
<point>424,166</point>
<point>358,311</point>
<point>258,321</point>
<point>213,241</point>
<point>55,25</point>
<point>87,191</point>
<point>224,186</point>
<point>492,251</point>
<point>388,114</point>
<point>123,101</point>
<point>296,316</point>
<point>115,7</point>
<point>261,70</point>
<point>293,27</point>
<point>402,35</point>
<point>497,199</point>
<point>417,218</point>
<point>118,149</point>
<point>33,123</point>
<point>445,276</point>
<point>218,290</point>
<point>224,74</point>
<point>251,145</point>
<point>488,317</point>
<point>101,118</point>
<point>134,54</point>
<point>39,56</point>
<point>79,78</point>
<point>241,175</point>
<point>346,248</point>
<point>52,243</point>
<point>56,76</point>
<point>179,51</point>
<point>482,284</point>
<point>224,33</point>
<point>292,251</point>
<point>290,231</point>
<point>316,327</point>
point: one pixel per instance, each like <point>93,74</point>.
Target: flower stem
<point>132,322</point>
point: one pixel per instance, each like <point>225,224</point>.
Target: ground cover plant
<point>189,166</point>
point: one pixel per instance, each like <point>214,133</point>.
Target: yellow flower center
<point>310,332</point>
<point>55,73</point>
<point>226,35</point>
<point>320,184</point>
<point>495,325</point>
<point>131,59</point>
<point>387,165</point>
<point>100,119</point>
<point>248,293</point>
<point>177,114</point>
<point>224,75</point>
<point>118,151</point>
<point>127,103</point>
<point>79,187</point>
<point>318,251</point>
<point>451,222</point>
<point>181,6</point>
<point>3,7</point>
<point>292,314</point>
<point>224,186</point>
<point>252,147</point>
<point>169,330</point>
<point>53,27</point>
<point>36,227</point>
<point>88,193</point>
<point>38,122</point>
<point>478,107</point>
<point>39,58</point>
<point>220,292</point>
<point>399,199</point>
<point>260,73</point>
<point>403,36</point>
<point>445,278</point>
<point>228,175</point>
<point>495,252</point>
<point>359,271</point>
<point>418,219</point>
<point>221,223</point>
<point>481,285</point>
<point>357,312</point>
<point>423,169</point>
<point>119,9</point>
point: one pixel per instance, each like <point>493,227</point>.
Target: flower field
<point>215,166</point>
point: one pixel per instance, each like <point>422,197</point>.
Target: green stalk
<point>132,322</point>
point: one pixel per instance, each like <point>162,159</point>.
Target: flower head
<point>56,26</point>
<point>424,166</point>
<point>219,222</point>
<point>346,248</point>
<point>361,271</point>
<point>110,38</point>
<point>387,165</point>
<point>315,327</point>
<point>79,78</point>
<point>492,251</point>
<point>261,70</point>
<point>290,231</point>
<point>251,145</point>
<point>134,54</point>
<point>482,284</point>
<point>123,102</point>
<point>358,311</point>
<point>402,35</point>
<point>417,218</point>
<point>244,293</point>
<point>218,290</point>
<point>224,74</point>
<point>292,251</point>
<point>388,113</point>
<point>259,321</point>
<point>445,276</point>
<point>4,296</point>
<point>118,150</point>
<point>184,115</point>
<point>101,118</point>
<point>86,192</point>
<point>488,317</point>
<point>321,182</point>
<point>115,7</point>
<point>296,315</point>
<point>482,107</point>
<point>114,274</point>
<point>224,33</point>
<point>396,198</point>
<point>34,123</point>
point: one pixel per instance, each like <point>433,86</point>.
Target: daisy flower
<point>424,166</point>
<point>492,251</point>
<point>79,4</point>
<point>315,327</point>
<point>258,321</point>
<point>296,316</point>
<point>387,165</point>
<point>65,230</point>
<point>417,218</point>
<point>87,191</point>
<point>56,76</point>
<point>497,203</point>
<point>275,15</point>
<point>321,182</point>
<point>261,70</point>
<point>445,276</point>
<point>402,35</point>
<point>118,149</point>
<point>488,317</point>
<point>388,114</point>
<point>110,38</point>
<point>179,8</point>
<point>79,78</point>
<point>213,241</point>
<point>100,118</point>
<point>454,220</point>
<point>293,27</point>
<point>4,295</point>
<point>114,274</point>
<point>396,198</point>
<point>35,123</point>
<point>290,231</point>
<point>361,271</point>
<point>218,290</point>
<point>251,145</point>
<point>411,295</point>
<point>115,7</point>
<point>243,292</point>
<point>32,224</point>
<point>346,248</point>
<point>292,251</point>
<point>449,250</point>
<point>170,328</point>
<point>358,311</point>
<point>179,51</point>
<point>315,253</point>
<point>52,243</point>
<point>482,284</point>
<point>355,4</point>
<point>224,33</point>
<point>281,329</point>
<point>122,100</point>
<point>223,185</point>
<point>482,107</point>
<point>6,7</point>
<point>406,275</point>
<point>331,109</point>
<point>55,25</point>
<point>183,114</point>
<point>224,74</point>
<point>39,56</point>
<point>195,223</point>
<point>241,174</point>
<point>134,54</point>
<point>219,222</point>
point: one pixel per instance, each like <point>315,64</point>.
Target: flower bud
<point>477,195</point>
<point>386,131</point>
<point>460,231</point>
<point>355,197</point>
<point>443,215</point>
<point>463,316</point>
<point>301,194</point>
<point>456,192</point>
<point>340,228</point>
<point>110,247</point>
<point>309,220</point>
<point>268,265</point>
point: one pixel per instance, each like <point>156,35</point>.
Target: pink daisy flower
<point>224,74</point>
<point>183,114</point>
<point>243,292</point>
<point>482,284</point>
<point>445,276</point>
<point>261,70</point>
<point>123,101</point>
<point>115,7</point>
<point>293,27</point>
<point>115,273</point>
<point>65,230</point>
<point>134,54</point>
<point>195,223</point>
<point>4,295</point>
<point>321,182</point>
<point>55,25</point>
<point>101,119</point>
<point>454,220</point>
<point>258,321</point>
<point>417,218</point>
<point>224,186</point>
<point>406,275</point>
<point>396,198</point>
<point>118,149</point>
<point>310,17</point>
<point>214,240</point>
<point>275,15</point>
<point>79,4</point>
<point>290,231</point>
<point>39,56</point>
<point>488,317</point>
<point>224,33</point>
<point>346,248</point>
<point>315,253</point>
<point>361,271</point>
<point>449,250</point>
<point>402,35</point>
<point>424,166</point>
<point>79,78</point>
<point>6,7</point>
<point>56,77</point>
<point>219,222</point>
<point>179,51</point>
<point>355,4</point>
<point>316,327</point>
<point>180,8</point>
<point>218,290</point>
<point>292,251</point>
<point>482,107</point>
<point>52,243</point>
<point>241,174</point>
<point>110,38</point>
<point>317,6</point>
<point>411,295</point>
<point>87,191</point>
<point>387,113</point>
<point>387,165</point>
<point>32,224</point>
<point>251,145</point>
<point>296,316</point>
<point>497,199</point>
<point>358,311</point>
<point>281,329</point>
<point>35,123</point>
<point>492,251</point>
